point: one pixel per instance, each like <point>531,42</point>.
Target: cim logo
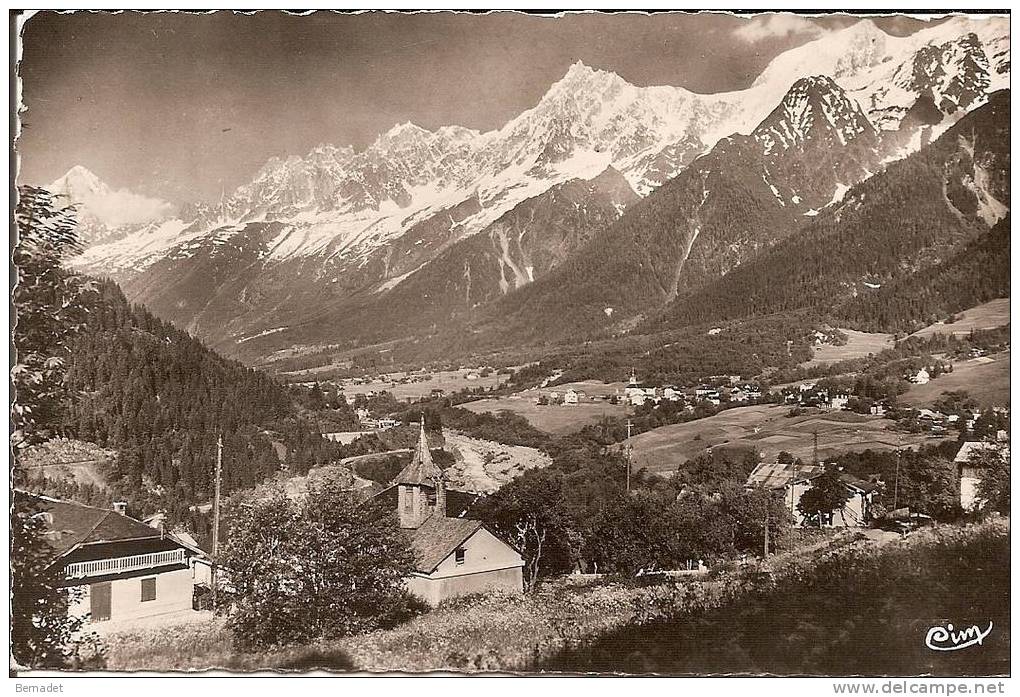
<point>948,639</point>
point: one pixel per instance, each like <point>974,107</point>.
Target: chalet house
<point>570,397</point>
<point>708,394</point>
<point>839,402</point>
<point>970,472</point>
<point>856,512</point>
<point>454,555</point>
<point>127,569</point>
<point>672,394</point>
<point>791,481</point>
<point>922,377</point>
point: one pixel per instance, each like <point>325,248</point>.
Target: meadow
<point>985,379</point>
<point>858,345</point>
<point>447,380</point>
<point>769,429</point>
<point>558,419</point>
<point>994,313</point>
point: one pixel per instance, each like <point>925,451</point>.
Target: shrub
<point>317,568</point>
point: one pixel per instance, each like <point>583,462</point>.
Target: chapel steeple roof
<point>421,470</point>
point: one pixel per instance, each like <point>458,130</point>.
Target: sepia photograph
<point>491,342</point>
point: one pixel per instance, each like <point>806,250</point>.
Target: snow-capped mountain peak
<point>344,204</point>
<point>101,210</point>
<point>77,182</point>
<point>815,109</point>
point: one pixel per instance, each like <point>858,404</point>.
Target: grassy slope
<point>520,633</point>
<point>858,345</point>
<point>991,314</point>
<point>664,449</point>
<point>985,379</point>
<point>851,612</point>
<point>558,419</point>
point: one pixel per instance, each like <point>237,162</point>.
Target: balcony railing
<point>101,567</point>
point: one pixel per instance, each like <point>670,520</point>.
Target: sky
<point>185,107</point>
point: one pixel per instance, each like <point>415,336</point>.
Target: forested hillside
<point>159,397</point>
<point>976,274</point>
<point>908,221</point>
<point>643,260</point>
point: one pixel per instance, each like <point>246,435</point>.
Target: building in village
<point>969,471</point>
<point>792,480</point>
<point>838,402</point>
<point>570,397</point>
<point>636,393</point>
<point>128,570</point>
<point>454,555</point>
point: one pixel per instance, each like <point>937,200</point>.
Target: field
<point>768,429</point>
<point>448,381</point>
<point>557,419</point>
<point>985,379</point>
<point>994,313</point>
<point>858,345</point>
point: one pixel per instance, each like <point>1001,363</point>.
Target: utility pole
<point>793,490</point>
<point>216,516</point>
<point>629,448</point>
<point>766,529</point>
<point>896,486</point>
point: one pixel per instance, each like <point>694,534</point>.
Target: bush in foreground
<point>317,568</point>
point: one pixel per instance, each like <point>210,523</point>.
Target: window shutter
<point>148,589</point>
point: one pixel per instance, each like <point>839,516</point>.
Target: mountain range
<point>603,206</point>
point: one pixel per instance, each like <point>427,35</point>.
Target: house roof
<point>971,448</point>
<point>421,469</point>
<point>774,475</point>
<point>437,538</point>
<point>861,484</point>
<point>70,524</point>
